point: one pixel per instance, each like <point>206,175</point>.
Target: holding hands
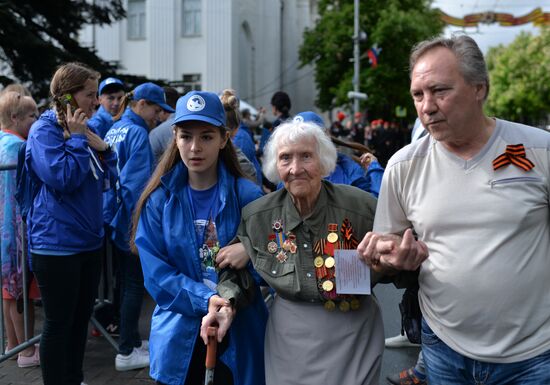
<point>383,252</point>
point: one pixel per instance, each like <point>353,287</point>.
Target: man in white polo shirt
<point>476,193</point>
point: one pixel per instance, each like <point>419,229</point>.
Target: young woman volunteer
<point>139,112</point>
<point>71,166</point>
<point>190,209</point>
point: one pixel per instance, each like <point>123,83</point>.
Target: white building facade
<point>249,45</point>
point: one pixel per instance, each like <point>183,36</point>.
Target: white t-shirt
<point>485,288</point>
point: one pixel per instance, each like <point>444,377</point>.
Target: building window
<point>136,19</point>
<point>191,82</point>
<point>191,19</point>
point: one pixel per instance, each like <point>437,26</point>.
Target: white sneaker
<point>144,346</point>
<point>138,359</point>
<point>399,341</point>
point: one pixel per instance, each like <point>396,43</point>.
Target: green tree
<point>38,35</point>
<point>520,79</point>
<point>394,25</point>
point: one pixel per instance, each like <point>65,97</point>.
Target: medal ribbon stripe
<point>514,154</point>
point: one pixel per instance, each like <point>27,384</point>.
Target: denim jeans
<point>131,298</point>
<point>447,367</point>
<point>68,285</point>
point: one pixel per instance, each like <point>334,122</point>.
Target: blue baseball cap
<point>200,105</point>
<point>152,93</point>
<point>111,83</point>
<point>309,116</point>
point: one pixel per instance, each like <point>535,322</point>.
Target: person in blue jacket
<point>190,209</point>
<point>129,138</point>
<point>71,166</point>
<point>348,171</point>
<point>111,92</point>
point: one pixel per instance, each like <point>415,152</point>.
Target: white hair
<point>292,132</point>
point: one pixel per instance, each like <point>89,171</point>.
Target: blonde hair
<point>231,106</point>
<point>68,79</point>
<point>17,87</point>
<point>14,104</point>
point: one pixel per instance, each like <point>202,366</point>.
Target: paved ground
<point>99,360</point>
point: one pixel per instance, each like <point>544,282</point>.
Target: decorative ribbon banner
<point>536,16</point>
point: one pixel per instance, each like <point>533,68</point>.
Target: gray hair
<point>471,63</point>
<point>292,132</point>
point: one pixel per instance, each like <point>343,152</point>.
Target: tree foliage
<point>394,25</point>
<point>520,79</point>
<point>38,35</point>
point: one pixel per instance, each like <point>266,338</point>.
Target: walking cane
<point>211,349</point>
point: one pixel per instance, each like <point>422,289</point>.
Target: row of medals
<point>325,273</point>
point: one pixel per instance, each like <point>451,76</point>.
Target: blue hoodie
<point>348,172</point>
<point>172,274</point>
<point>66,214</point>
<point>129,138</point>
<point>101,122</point>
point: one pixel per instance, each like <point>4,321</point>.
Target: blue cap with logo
<point>152,93</point>
<point>309,116</point>
<point>110,83</point>
<point>200,105</point>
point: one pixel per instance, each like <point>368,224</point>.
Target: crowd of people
<point>209,209</point>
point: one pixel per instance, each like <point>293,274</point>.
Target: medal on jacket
<point>325,266</point>
<point>280,243</point>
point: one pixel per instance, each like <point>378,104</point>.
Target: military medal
<point>328,285</point>
<point>278,225</point>
<point>281,256</point>
<point>319,261</point>
<point>330,305</point>
<point>344,306</point>
<point>330,262</point>
<point>332,236</point>
<point>272,247</point>
<point>355,304</point>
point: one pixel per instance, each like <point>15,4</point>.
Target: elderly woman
<point>314,335</point>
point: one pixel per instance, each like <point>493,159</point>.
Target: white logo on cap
<point>196,103</point>
<point>298,119</point>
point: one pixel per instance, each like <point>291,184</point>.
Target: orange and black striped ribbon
<point>515,154</point>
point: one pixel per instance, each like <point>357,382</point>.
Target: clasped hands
<point>390,252</point>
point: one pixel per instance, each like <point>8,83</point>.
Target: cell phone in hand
<point>70,100</point>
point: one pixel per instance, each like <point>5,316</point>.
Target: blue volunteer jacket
<point>66,212</point>
<point>172,274</point>
<point>129,138</point>
<point>101,122</point>
<point>348,172</point>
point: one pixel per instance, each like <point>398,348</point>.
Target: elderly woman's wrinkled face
<point>299,168</point>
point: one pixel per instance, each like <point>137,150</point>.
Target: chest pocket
<point>502,183</point>
<point>280,276</point>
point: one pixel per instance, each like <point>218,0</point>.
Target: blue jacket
<point>101,122</point>
<point>348,172</point>
<point>243,140</point>
<point>130,140</point>
<point>172,274</point>
<point>66,214</point>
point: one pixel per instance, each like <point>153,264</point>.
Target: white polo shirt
<point>485,289</point>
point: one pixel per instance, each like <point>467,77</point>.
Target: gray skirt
<point>305,344</point>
